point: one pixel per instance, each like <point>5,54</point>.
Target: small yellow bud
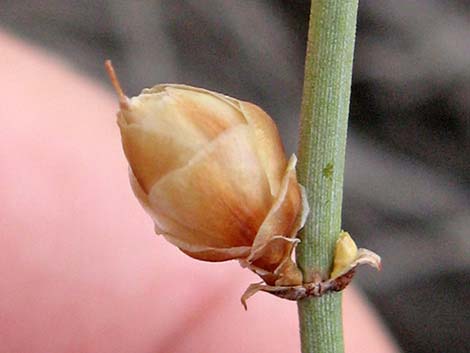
<point>211,172</point>
<point>345,254</point>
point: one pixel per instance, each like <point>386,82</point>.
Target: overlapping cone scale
<point>212,173</point>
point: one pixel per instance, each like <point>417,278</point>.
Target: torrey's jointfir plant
<point>211,171</point>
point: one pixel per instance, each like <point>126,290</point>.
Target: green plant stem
<point>325,108</point>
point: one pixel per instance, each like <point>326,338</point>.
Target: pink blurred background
<point>80,267</point>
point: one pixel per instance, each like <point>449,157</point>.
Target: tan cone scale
<point>212,173</point>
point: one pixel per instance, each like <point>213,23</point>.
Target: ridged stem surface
<point>324,117</point>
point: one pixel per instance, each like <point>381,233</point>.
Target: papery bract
<point>211,172</point>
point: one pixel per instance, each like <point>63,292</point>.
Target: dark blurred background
<point>407,167</point>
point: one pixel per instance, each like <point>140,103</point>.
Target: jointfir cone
<point>211,171</point>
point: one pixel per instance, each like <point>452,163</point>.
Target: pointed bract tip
<point>244,304</point>
<point>123,100</point>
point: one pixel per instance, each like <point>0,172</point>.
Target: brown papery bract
<point>211,171</point>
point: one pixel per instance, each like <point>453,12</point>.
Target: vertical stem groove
<point>325,108</point>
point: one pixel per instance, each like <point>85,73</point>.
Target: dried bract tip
<point>123,100</point>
